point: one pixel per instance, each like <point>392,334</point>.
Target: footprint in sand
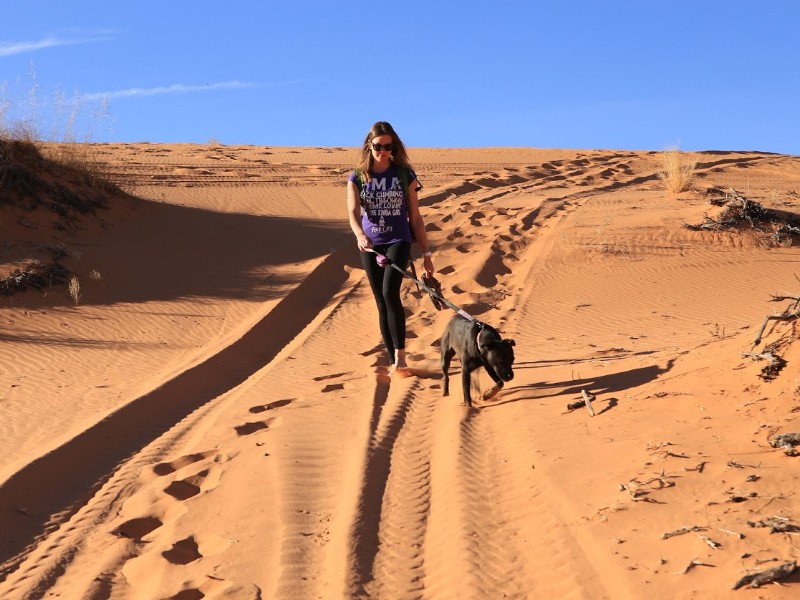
<point>264,407</point>
<point>476,217</point>
<point>334,376</point>
<point>253,427</point>
<point>186,488</point>
<point>183,552</point>
<point>136,529</point>
<point>162,469</point>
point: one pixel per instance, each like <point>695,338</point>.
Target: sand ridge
<point>215,420</point>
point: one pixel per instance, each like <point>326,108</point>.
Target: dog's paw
<point>491,393</point>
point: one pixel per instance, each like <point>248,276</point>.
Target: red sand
<point>211,421</point>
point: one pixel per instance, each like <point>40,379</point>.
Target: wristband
<point>427,254</point>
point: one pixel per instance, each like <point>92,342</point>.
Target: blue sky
<point>626,74</point>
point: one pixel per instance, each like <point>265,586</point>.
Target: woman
<point>384,215</point>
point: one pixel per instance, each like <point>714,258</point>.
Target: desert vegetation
<point>677,171</point>
<point>48,181</point>
<point>774,227</point>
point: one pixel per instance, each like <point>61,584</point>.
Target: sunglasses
<point>379,147</point>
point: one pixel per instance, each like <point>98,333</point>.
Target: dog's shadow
<point>599,386</point>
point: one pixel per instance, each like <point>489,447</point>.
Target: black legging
<point>385,283</point>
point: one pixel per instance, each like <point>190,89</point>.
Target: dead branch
<point>787,441</point>
<point>784,317</point>
<point>637,494</point>
<point>587,398</point>
<point>662,479</point>
<point>734,533</point>
<point>657,447</point>
<point>738,211</point>
<point>790,313</point>
<point>776,525</point>
<point>710,542</point>
<point>669,453</point>
<point>694,563</point>
<point>736,465</point>
<point>755,580</point>
<point>575,405</point>
<point>774,366</point>
<point>699,468</point>
<point>585,401</point>
<point>681,531</point>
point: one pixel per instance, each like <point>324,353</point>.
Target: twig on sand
<point>776,525</point>
<point>787,441</point>
<point>639,490</point>
<point>585,401</point>
<point>772,575</point>
<point>710,542</point>
<point>791,313</point>
<point>774,366</point>
<point>587,398</point>
<point>731,532</point>
<point>732,463</point>
<point>681,531</point>
<point>699,468</point>
<point>669,453</point>
<point>692,564</point>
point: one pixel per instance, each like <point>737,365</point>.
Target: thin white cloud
<point>177,88</point>
<point>12,48</point>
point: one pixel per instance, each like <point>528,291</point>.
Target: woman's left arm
<point>418,226</point>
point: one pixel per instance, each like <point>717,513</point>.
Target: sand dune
<point>214,420</point>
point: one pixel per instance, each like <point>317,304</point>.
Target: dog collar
<point>478,337</point>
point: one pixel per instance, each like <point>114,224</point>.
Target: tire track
<point>390,416</point>
<point>471,549</point>
<point>398,565</point>
<point>81,466</point>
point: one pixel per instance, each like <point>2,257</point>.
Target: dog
<point>477,345</point>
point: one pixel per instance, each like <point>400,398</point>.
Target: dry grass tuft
<point>75,289</point>
<point>676,172</point>
<point>47,167</point>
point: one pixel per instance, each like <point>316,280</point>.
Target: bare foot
<point>399,367</point>
<point>402,372</point>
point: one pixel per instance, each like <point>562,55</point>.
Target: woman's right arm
<point>354,213</point>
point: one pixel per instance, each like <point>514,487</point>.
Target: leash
<point>385,261</point>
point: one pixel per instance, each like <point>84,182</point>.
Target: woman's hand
<point>364,243</point>
<point>427,261</point>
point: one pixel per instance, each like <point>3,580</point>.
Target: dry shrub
<point>776,227</point>
<point>46,164</point>
<point>75,289</point>
<point>34,276</point>
<point>676,171</point>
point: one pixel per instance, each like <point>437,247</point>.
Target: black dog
<point>477,345</point>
